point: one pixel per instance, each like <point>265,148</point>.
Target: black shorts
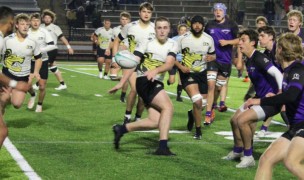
<point>147,90</point>
<point>8,74</point>
<point>195,78</point>
<point>173,70</point>
<point>101,53</point>
<point>44,70</point>
<point>271,111</point>
<point>295,130</point>
<point>52,55</point>
<point>221,68</point>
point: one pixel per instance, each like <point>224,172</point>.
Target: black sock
<point>163,144</point>
<point>37,84</point>
<point>40,103</point>
<point>137,116</point>
<point>168,82</point>
<point>179,90</point>
<point>128,112</point>
<point>123,129</point>
<point>123,94</point>
<point>32,94</point>
<point>62,82</point>
<point>105,74</point>
<point>198,130</point>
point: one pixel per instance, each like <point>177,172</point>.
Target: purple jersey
<point>301,35</point>
<point>294,77</point>
<point>257,66</point>
<point>227,30</point>
<point>271,56</point>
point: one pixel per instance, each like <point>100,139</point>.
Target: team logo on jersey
<point>252,69</point>
<point>205,44</point>
<point>12,61</point>
<point>212,31</point>
<point>296,76</point>
<point>266,60</point>
<point>226,31</point>
<point>29,47</point>
<point>190,79</point>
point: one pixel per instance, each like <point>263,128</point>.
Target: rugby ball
<point>126,60</point>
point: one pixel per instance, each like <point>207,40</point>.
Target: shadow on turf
<point>7,165</point>
<point>23,123</point>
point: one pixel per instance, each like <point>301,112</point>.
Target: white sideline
<point>22,163</point>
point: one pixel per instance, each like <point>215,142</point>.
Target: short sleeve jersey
<point>294,77</point>
<point>42,37</point>
<point>227,30</point>
<point>18,55</point>
<point>116,31</point>
<point>194,50</point>
<point>154,55</point>
<point>104,37</point>
<point>135,33</point>
<point>55,31</point>
<point>257,66</point>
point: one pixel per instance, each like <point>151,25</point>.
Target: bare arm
<point>65,41</point>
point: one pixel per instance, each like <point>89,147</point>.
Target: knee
<point>289,164</point>
<point>42,87</point>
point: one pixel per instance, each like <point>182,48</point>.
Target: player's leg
<point>131,98</point>
<point>3,130</point>
<point>54,69</point>
<point>108,62</point>
<point>210,114</point>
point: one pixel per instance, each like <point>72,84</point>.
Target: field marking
<point>22,163</point>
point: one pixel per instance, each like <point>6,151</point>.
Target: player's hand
<point>23,86</point>
<point>223,42</point>
<point>250,102</point>
<point>71,51</point>
<point>107,52</point>
<point>151,74</point>
<point>185,69</point>
<point>115,65</point>
<point>115,88</point>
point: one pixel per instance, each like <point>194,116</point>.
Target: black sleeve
<point>38,56</point>
<point>288,96</point>
<point>262,61</point>
<point>120,37</point>
<point>50,43</point>
<point>172,54</point>
<point>139,54</point>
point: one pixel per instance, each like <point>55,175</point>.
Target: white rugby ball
<point>126,60</point>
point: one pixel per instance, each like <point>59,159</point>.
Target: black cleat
<point>122,99</point>
<point>190,120</point>
<point>164,152</point>
<point>197,136</point>
<point>179,99</point>
<point>126,120</point>
<point>117,135</point>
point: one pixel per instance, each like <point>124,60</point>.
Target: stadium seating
<point>26,6</point>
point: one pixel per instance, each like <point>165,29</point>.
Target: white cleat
<point>35,87</point>
<point>31,102</point>
<point>246,162</point>
<point>261,134</point>
<point>61,87</point>
<point>100,75</point>
<point>233,156</point>
<point>38,109</point>
<point>106,77</point>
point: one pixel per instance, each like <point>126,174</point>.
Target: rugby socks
<point>137,117</point>
<point>222,103</point>
<point>123,95</point>
<point>105,74</point>
<point>128,114</point>
<point>37,84</point>
<point>123,129</point>
<point>248,152</point>
<point>237,149</point>
<point>214,106</point>
<point>163,144</point>
<point>62,82</point>
<point>33,94</point>
<point>208,113</point>
<point>265,128</point>
<point>198,130</point>
<point>179,90</point>
<point>39,103</point>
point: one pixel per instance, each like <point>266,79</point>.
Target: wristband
<point>12,83</point>
<point>68,46</point>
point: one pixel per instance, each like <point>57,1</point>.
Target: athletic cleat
<point>233,156</point>
<point>246,79</point>
<point>38,109</point>
<point>190,120</point>
<point>212,115</point>
<point>117,135</point>
<point>222,108</point>
<point>246,161</point>
<point>261,134</point>
<point>197,136</point>
<point>100,75</point>
<point>208,120</point>
<point>31,102</point>
<point>126,120</point>
<point>106,77</point>
<point>179,99</point>
<point>164,152</point>
<point>61,87</point>
<point>35,87</point>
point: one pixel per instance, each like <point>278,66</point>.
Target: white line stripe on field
<point>22,163</point>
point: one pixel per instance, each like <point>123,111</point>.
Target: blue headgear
<point>220,6</point>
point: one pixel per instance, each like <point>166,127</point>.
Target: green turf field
<point>72,138</point>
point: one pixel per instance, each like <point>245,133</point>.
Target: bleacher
<point>24,6</point>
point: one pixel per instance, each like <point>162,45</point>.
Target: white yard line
<point>22,163</point>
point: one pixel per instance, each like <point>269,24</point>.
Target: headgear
<point>220,6</point>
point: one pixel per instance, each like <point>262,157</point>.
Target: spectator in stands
<point>287,6</point>
<point>241,8</point>
<point>269,11</point>
<point>279,12</point>
<point>297,5</point>
<point>90,8</point>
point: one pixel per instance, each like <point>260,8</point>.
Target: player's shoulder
<point>11,36</point>
<point>205,35</point>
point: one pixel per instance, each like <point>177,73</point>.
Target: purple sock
<point>208,113</point>
<point>265,128</point>
<point>163,144</point>
<point>214,106</point>
<point>248,152</point>
<point>222,103</point>
<point>237,149</point>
